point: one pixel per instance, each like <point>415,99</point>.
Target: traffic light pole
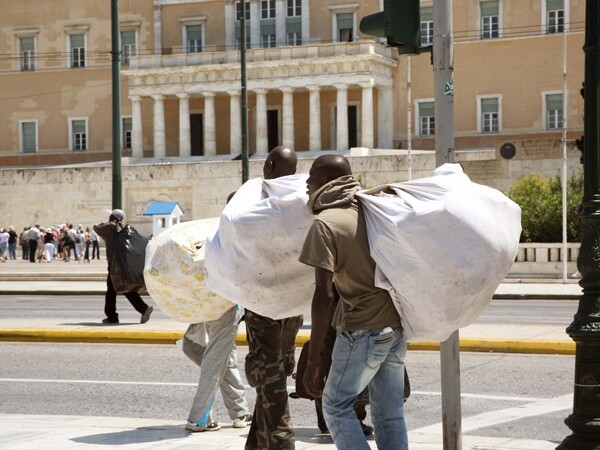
<point>584,422</point>
<point>443,62</point>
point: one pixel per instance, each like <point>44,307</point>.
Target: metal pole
<point>409,116</point>
<point>116,106</point>
<point>244,93</point>
<point>584,422</point>
<point>565,250</point>
<point>443,61</point>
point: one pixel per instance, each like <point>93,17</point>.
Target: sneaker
<point>367,429</point>
<point>195,428</point>
<point>146,315</point>
<point>107,320</point>
<point>242,422</point>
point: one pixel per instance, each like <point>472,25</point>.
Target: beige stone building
<point>314,82</point>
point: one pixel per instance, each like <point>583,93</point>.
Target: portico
<point>297,85</point>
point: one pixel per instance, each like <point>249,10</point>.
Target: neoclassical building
<point>314,82</point>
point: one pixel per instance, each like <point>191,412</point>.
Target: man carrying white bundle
<point>270,359</point>
<point>370,345</point>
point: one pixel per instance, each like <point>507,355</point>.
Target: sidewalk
<point>30,432</point>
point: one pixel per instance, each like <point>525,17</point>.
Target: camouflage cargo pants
<point>269,362</point>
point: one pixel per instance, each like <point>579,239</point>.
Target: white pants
<point>49,251</point>
<point>217,359</point>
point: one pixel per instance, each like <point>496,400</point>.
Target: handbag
<point>127,261</point>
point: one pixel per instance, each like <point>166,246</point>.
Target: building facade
<point>314,82</point>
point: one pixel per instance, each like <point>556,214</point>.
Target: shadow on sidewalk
<point>135,436</point>
<point>99,324</point>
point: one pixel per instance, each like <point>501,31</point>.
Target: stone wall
<point>82,194</point>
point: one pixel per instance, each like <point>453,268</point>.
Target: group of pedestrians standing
<point>45,244</point>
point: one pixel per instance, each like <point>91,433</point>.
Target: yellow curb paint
<point>170,337</point>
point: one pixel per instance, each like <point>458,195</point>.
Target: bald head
<point>280,162</point>
<point>325,169</point>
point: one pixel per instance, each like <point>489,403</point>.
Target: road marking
<point>291,388</point>
<point>536,408</point>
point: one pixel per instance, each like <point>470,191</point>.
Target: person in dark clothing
<point>108,231</point>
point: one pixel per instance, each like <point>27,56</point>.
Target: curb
<point>170,337</point>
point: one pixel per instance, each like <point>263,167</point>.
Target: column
<point>385,117</point>
<point>342,117</point>
<point>185,141</point>
<point>255,24</point>
<point>230,26</point>
<point>210,135</point>
<point>137,145</point>
<point>314,124</point>
<point>288,117</point>
<point>262,141</point>
<point>367,114</point>
<point>160,146</point>
<point>235,125</point>
<point>157,29</point>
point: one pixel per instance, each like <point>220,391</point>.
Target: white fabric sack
<point>175,275</point>
<point>252,258</point>
<point>442,246</point>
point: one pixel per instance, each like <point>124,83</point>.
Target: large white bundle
<point>175,275</point>
<point>252,259</point>
<point>444,244</point>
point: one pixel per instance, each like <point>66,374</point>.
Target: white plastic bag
<point>252,258</point>
<point>175,275</point>
<point>442,246</point>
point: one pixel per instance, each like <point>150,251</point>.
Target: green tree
<point>540,199</point>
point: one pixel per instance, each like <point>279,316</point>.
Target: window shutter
<point>127,37</point>
<point>427,14</point>
<point>267,27</point>
<point>554,102</point>
<point>293,25</point>
<point>77,41</point>
<point>426,109</point>
<point>27,44</point>
<point>194,32</point>
<point>28,137</point>
<point>489,9</point>
<point>489,105</point>
<point>345,21</point>
<point>78,126</point>
<point>553,5</point>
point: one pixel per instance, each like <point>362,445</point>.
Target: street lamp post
<point>244,96</point>
<point>116,106</point>
<point>584,422</point>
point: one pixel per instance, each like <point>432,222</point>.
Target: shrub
<point>540,199</point>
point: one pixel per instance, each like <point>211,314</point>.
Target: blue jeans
<point>361,358</point>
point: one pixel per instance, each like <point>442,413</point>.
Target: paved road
<point>504,395</point>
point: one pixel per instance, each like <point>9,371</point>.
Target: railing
<point>546,260</point>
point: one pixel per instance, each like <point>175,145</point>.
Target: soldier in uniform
<point>270,359</point>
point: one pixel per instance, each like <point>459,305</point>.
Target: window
<point>28,132</point>
<point>238,11</point>
<point>27,48</point>
<point>554,111</point>
<point>128,47</point>
<point>555,16</point>
<point>78,134</point>
<point>294,8</point>
<point>490,20</point>
<point>427,26</point>
<point>490,115</point>
<point>267,9</point>
<point>294,38</point>
<point>345,27</point>
<point>267,40</point>
<point>126,132</point>
<point>193,38</point>
<point>77,50</point>
<point>426,118</point>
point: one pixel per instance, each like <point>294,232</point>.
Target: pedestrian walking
<point>108,231</point>
<point>13,238</point>
<point>370,346</point>
<point>32,236</point>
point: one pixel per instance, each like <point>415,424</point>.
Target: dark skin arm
<point>322,309</point>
